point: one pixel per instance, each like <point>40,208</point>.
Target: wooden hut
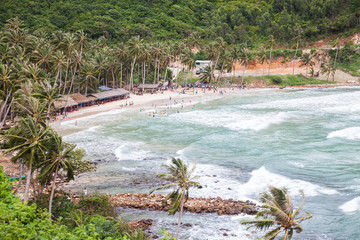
<point>147,88</point>
<point>83,101</point>
<point>70,104</point>
<point>109,96</point>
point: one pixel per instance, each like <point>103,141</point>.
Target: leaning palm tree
<point>180,178</point>
<point>278,210</point>
<point>306,60</point>
<point>29,139</point>
<point>59,154</point>
<point>134,49</point>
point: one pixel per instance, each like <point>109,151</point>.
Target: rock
<point>225,234</point>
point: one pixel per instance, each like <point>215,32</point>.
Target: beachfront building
<point>147,88</point>
<point>110,96</point>
<point>83,101</point>
<point>66,103</point>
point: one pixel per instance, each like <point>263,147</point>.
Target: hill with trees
<point>236,21</point>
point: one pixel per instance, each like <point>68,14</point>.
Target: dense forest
<point>236,21</point>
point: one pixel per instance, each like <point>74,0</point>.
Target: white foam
<point>233,120</point>
<point>297,164</point>
<point>262,178</point>
<point>258,123</point>
<point>132,151</point>
<point>351,206</point>
<point>352,133</point>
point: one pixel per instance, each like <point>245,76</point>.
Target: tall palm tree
<point>306,60</point>
<point>262,58</point>
<point>297,38</point>
<point>271,40</point>
<point>245,58</point>
<point>48,93</point>
<point>181,180</point>
<point>134,48</point>
<point>326,68</point>
<point>337,45</point>
<point>234,55</point>
<point>88,73</point>
<point>278,210</point>
<point>59,154</point>
<point>29,139</point>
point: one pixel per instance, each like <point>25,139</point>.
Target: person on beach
<point>75,122</point>
<point>85,191</point>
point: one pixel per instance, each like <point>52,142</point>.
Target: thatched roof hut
<point>110,94</point>
<point>148,86</point>
<point>80,99</point>
<point>60,103</point>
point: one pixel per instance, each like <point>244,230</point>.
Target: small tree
<point>306,60</point>
<point>180,178</point>
<point>278,210</point>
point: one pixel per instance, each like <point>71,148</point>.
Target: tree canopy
<point>235,21</point>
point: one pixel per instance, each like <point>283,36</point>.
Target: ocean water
<point>305,139</point>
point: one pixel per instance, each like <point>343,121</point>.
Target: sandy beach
<point>167,98</point>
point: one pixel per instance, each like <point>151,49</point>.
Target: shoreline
<point>167,98</point>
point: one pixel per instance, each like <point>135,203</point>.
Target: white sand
<point>141,101</point>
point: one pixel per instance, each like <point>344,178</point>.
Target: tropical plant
<point>262,58</point>
<point>30,140</point>
<point>245,58</point>
<point>306,60</point>
<point>181,179</point>
<point>59,153</point>
<point>278,210</point>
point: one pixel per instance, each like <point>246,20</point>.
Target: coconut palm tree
<point>245,58</point>
<point>337,45</point>
<point>278,210</point>
<point>47,93</point>
<point>29,140</point>
<point>297,38</point>
<point>306,60</point>
<point>59,153</point>
<point>326,68</point>
<point>271,41</point>
<point>234,56</point>
<point>181,180</point>
<point>134,48</point>
<point>262,58</point>
<point>88,73</point>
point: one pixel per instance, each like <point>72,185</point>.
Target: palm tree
<point>298,37</point>
<point>306,60</point>
<point>234,55</point>
<point>337,45</point>
<point>29,139</point>
<point>262,58</point>
<point>59,152</point>
<point>327,69</point>
<point>278,210</point>
<point>48,93</point>
<point>181,180</point>
<point>245,58</point>
<point>88,76</point>
<point>134,46</point>
<point>28,106</point>
<point>271,40</point>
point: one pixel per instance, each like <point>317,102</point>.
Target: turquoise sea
<point>305,139</point>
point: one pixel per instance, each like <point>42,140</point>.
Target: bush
<point>96,204</point>
<point>275,79</point>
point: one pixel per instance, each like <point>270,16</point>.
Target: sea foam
<point>352,133</point>
<point>351,206</point>
<point>262,178</point>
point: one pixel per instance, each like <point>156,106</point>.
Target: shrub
<point>275,79</point>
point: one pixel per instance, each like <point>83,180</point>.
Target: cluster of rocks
<point>143,224</point>
<point>195,205</point>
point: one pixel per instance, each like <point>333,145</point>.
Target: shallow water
<point>299,139</point>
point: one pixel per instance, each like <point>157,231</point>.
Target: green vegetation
<point>179,178</point>
<point>18,221</point>
<point>235,21</point>
<point>289,80</point>
<point>278,210</point>
<point>349,58</point>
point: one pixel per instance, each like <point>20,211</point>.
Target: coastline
<point>163,99</point>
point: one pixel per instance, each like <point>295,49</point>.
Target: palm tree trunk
<point>6,113</point>
<point>234,71</point>
<point>297,46</point>
<point>143,79</point>
<point>221,71</point>
<point>4,104</point>
<point>263,73</point>
<point>113,77</point>
<point>155,65</point>
<point>337,51</point>
<point>66,76</point>
<point>28,177</point>
<point>53,190</point>
<point>165,73</point>
<point>86,86</point>
<point>132,74</point>
<point>121,75</point>
<point>180,215</point>
<point>213,70</point>
<point>243,76</point>
<point>158,73</point>
<point>270,57</point>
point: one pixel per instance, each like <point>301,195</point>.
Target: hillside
<point>235,21</point>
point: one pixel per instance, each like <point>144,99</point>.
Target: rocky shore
<point>194,205</point>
